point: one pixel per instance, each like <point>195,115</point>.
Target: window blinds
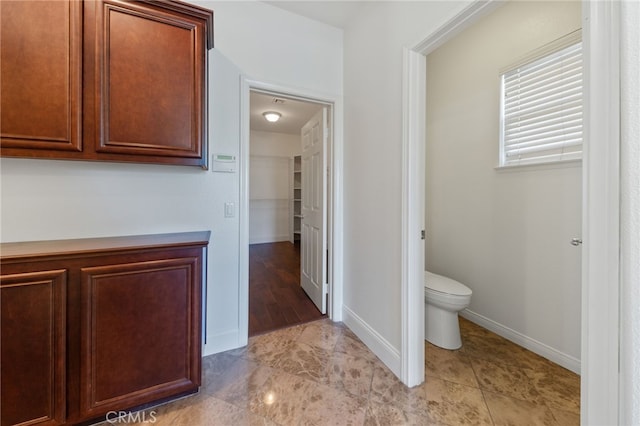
<point>542,109</point>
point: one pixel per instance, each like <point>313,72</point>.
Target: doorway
<point>601,208</point>
<point>514,248</point>
<point>286,202</point>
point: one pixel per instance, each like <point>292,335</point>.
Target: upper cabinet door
<point>148,66</point>
<point>40,76</point>
<point>105,80</point>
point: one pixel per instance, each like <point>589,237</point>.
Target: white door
<point>314,217</point>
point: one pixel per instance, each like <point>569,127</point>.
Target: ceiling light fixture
<point>272,116</point>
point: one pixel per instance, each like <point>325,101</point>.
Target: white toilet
<point>443,298</point>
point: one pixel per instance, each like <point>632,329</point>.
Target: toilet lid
<point>445,285</point>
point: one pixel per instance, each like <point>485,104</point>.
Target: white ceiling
<point>330,12</point>
<point>294,113</point>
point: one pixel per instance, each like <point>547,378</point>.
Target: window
<point>541,106</point>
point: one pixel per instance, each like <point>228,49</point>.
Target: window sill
<point>540,166</point>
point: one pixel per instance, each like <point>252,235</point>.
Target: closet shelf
<point>296,197</point>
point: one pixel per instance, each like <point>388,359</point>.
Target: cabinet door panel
<point>41,75</point>
<point>151,94</point>
<point>140,332</point>
<point>33,324</point>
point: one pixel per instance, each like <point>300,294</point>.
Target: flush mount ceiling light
<point>272,116</point>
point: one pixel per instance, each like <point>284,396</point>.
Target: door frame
<point>600,374</point>
<point>333,195</point>
<point>413,185</point>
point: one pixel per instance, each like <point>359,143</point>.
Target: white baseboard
<point>560,358</point>
<point>384,350</point>
<point>221,342</point>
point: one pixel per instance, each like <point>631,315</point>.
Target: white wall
<point>276,46</point>
<point>269,186</point>
<point>630,215</point>
<point>275,144</point>
<point>269,213</point>
<point>373,46</point>
<point>45,199</point>
<point>504,233</point>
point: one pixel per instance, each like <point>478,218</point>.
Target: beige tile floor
<point>320,373</point>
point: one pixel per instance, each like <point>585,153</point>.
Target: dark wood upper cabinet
<point>129,83</point>
<point>41,76</point>
<point>149,82</point>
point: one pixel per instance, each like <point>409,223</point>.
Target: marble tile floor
<point>320,373</point>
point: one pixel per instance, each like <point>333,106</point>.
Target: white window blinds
<point>541,109</point>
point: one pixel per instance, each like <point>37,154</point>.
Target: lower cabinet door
<point>140,332</point>
<point>33,348</point>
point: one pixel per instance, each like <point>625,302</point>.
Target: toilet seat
<point>438,283</point>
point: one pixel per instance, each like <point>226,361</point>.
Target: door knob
<point>576,241</point>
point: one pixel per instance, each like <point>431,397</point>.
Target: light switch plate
<point>229,210</point>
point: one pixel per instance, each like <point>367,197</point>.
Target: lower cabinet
<point>33,347</point>
<point>136,343</point>
<point>94,326</point>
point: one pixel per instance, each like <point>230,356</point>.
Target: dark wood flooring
<point>276,299</point>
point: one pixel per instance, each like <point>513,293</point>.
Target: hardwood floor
<point>276,299</point>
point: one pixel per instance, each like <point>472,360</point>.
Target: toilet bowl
<point>443,298</point>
